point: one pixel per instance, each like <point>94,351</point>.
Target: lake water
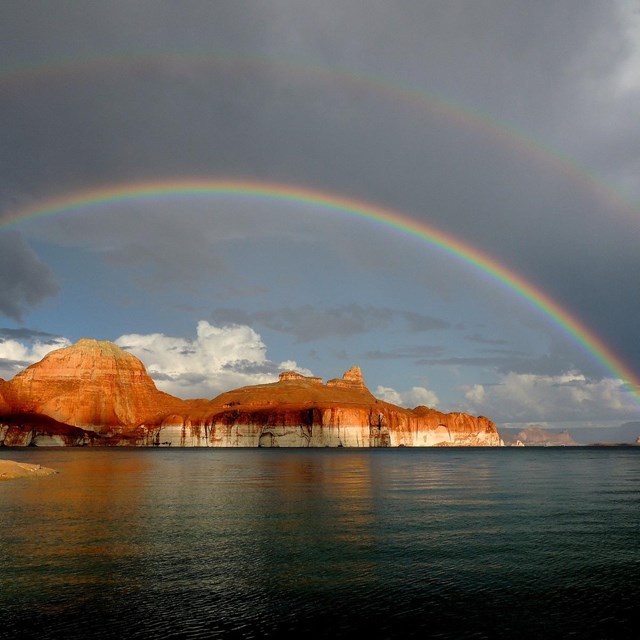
<point>237,543</point>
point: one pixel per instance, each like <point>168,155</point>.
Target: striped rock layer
<point>95,394</point>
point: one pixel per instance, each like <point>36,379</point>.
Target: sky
<point>508,128</point>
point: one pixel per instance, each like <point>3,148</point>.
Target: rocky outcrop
<point>294,375</point>
<point>94,393</point>
<point>92,384</point>
<point>9,469</point>
<point>352,379</point>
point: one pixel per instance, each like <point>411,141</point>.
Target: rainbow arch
<point>473,257</point>
<point>451,111</point>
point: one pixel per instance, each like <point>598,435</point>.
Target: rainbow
<point>458,115</point>
<point>509,279</point>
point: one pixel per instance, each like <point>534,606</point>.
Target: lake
<point>255,543</point>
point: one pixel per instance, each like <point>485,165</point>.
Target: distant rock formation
<point>535,436</point>
<point>94,393</point>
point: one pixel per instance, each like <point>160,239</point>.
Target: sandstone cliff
<point>94,393</point>
<point>92,384</point>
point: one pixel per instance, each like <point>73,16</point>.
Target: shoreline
<point>9,470</point>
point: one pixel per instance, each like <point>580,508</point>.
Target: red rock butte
<point>94,393</point>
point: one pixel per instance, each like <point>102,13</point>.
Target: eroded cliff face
<point>320,425</point>
<point>92,384</point>
<point>95,394</point>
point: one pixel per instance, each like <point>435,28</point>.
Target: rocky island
<point>95,394</point>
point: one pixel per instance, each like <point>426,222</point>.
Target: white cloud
<point>216,360</point>
<point>292,365</point>
<point>475,393</point>
<point>628,76</point>
<point>15,355</point>
<point>414,397</point>
<point>526,397</point>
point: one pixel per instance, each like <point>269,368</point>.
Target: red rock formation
<point>294,375</point>
<point>95,393</point>
<point>351,379</point>
<point>300,411</point>
<point>33,429</point>
<point>91,384</point>
<point>4,404</point>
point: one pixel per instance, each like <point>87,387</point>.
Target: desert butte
<point>94,393</point>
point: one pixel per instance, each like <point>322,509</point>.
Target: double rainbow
<point>507,278</point>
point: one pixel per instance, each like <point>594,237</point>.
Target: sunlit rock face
<point>91,384</point>
<point>299,411</point>
<point>95,394</point>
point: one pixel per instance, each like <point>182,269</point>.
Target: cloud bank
<point>216,360</point>
<point>522,398</point>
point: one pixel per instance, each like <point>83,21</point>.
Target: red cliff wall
<point>94,393</point>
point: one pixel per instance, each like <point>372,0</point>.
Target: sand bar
<point>10,469</point>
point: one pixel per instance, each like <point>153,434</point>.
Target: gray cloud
<point>419,352</point>
<point>8,364</point>
<point>418,322</point>
<point>29,335</point>
<point>309,323</point>
<point>25,281</point>
<point>505,361</point>
<point>247,367</point>
<point>476,337</point>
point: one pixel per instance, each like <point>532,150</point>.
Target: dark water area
<point>429,543</point>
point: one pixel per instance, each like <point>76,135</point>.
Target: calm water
<point>442,543</point>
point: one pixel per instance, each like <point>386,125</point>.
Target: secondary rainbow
<point>80,201</point>
<point>457,114</point>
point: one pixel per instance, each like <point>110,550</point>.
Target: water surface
<point>239,543</point>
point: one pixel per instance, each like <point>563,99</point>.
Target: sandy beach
<point>10,469</point>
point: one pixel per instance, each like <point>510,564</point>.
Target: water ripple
<point>253,544</point>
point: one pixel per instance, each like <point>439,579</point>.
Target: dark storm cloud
<point>546,68</point>
<point>25,281</point>
<point>180,118</point>
<point>62,29</point>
